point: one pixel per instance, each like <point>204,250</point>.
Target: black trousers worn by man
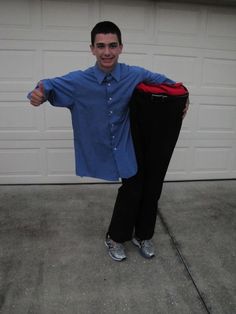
<point>155,124</point>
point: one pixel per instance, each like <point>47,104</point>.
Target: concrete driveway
<point>53,259</point>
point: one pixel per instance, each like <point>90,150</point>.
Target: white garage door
<point>192,43</point>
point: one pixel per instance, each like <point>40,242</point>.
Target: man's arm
<point>59,91</point>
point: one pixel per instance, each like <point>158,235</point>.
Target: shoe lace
<point>146,243</point>
<point>115,245</point>
<point>118,246</point>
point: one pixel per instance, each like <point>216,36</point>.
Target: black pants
<point>155,126</point>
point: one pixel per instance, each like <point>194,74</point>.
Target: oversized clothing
<point>156,121</point>
<point>100,117</point>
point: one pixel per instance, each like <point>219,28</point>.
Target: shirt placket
<point>108,81</point>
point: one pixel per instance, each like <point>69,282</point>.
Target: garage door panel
<point>186,18</point>
<point>210,117</point>
<point>202,160</point>
<point>67,20</point>
<point>195,26</point>
<point>60,161</point>
<point>179,24</point>
<point>16,64</point>
<point>221,23</point>
<point>217,119</point>
<point>179,67</point>
<point>48,20</point>
<point>63,14</point>
<point>12,14</point>
<point>17,116</point>
<point>213,160</point>
<point>17,20</point>
<point>192,43</point>
<point>221,28</point>
<point>57,119</point>
<point>59,62</point>
<point>21,162</point>
<point>19,67</point>
<point>219,72</point>
<point>135,18</point>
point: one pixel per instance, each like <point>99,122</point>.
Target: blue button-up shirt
<point>100,117</point>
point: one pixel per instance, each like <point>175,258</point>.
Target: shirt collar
<point>100,75</point>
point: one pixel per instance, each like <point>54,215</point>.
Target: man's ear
<point>92,48</point>
<point>121,48</point>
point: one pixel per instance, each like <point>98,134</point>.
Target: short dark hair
<point>105,27</point>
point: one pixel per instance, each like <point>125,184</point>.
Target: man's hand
<point>186,108</point>
<point>37,95</point>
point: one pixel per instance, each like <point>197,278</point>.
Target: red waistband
<point>175,89</point>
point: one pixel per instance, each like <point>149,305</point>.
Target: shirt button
<point>110,98</point>
<point>109,84</point>
<point>115,148</point>
<point>111,112</point>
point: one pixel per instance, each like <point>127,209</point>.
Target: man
<point>98,100</point>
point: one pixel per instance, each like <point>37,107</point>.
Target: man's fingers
<point>35,103</point>
<point>186,108</point>
<point>37,96</point>
<point>35,100</point>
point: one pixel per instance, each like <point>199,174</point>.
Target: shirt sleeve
<point>155,78</point>
<point>59,91</point>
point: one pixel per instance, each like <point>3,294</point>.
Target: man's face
<point>107,49</point>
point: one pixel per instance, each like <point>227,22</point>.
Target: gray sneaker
<point>146,248</point>
<point>115,250</point>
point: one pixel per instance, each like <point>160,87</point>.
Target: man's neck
<point>107,70</point>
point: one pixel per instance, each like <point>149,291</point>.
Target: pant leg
<point>152,188</point>
<point>130,193</point>
<point>155,129</point>
<point>126,208</point>
<point>159,124</point>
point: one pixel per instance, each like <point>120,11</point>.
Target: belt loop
<point>158,98</point>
